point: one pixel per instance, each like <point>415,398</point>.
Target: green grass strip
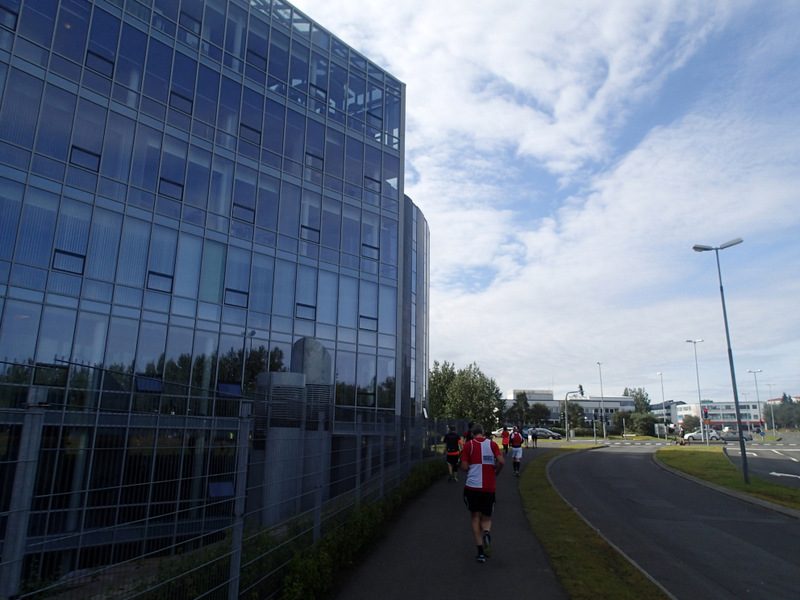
<point>712,465</point>
<point>585,564</point>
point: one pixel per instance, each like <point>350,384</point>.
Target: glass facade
<point>187,189</point>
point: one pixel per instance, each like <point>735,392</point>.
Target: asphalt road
<point>775,464</point>
<point>694,541</point>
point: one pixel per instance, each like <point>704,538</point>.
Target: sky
<point>567,157</point>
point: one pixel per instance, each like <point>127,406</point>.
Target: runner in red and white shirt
<point>482,460</point>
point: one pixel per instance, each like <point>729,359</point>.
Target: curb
<point>790,512</point>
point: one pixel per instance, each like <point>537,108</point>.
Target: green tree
<point>538,413</point>
<point>643,423</point>
<point>439,381</point>
<point>621,420</point>
<point>517,412</point>
<point>469,395</point>
<point>690,423</point>
<point>641,401</point>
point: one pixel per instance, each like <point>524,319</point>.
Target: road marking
<point>784,475</point>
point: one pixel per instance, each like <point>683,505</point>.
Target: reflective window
<point>199,172</point>
<point>351,230</point>
<point>132,263</point>
<point>237,277</point>
<point>103,244</point>
<point>331,222</point>
<point>55,337</point>
<point>368,305</point>
<point>178,354</point>
<point>261,295</point>
<point>236,31</point>
<point>268,200</point>
<point>298,67</point>
<point>328,297</point>
<point>118,147</point>
<point>90,338</point>
<point>214,24</point>
<point>130,62</point>
<point>244,194</point>
<point>152,342</point>
<point>295,136</point>
<point>187,277</point>
<point>159,61</point>
<point>219,198</point>
<point>257,37</point>
<point>310,216</point>
<point>370,242</point>
<point>389,240</point>
<point>10,208</point>
<point>366,374</point>
<point>387,310</point>
<point>20,326</point>
<point>183,81</point>
<point>73,25</point>
<point>54,132</point>
<point>205,107</point>
<point>386,382</point>
<point>348,302</point>
<point>90,126</point>
<point>278,57</point>
<point>37,228</point>
<point>101,54</point>
<point>36,21</point>
<point>121,350</point>
<point>283,294</point>
<point>334,153</point>
<point>274,120</point>
<point>228,110</point>
<point>146,155</point>
<point>345,378</point>
<point>72,235</point>
<point>289,209</point>
<point>252,116</point>
<point>212,273</point>
<point>20,108</point>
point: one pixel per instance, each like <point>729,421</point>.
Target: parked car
<point>733,436</point>
<point>697,436</point>
<point>542,433</point>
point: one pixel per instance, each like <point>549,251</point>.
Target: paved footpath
<point>429,552</point>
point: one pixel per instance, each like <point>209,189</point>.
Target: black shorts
<point>478,501</point>
<point>454,459</point>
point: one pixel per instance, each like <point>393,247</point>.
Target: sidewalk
<point>430,553</point>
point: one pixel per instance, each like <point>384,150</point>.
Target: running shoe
<point>487,543</point>
<point>481,558</point>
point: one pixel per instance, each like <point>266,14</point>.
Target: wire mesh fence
<point>116,485</point>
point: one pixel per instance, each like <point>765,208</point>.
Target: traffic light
<point>580,389</point>
<point>705,413</point>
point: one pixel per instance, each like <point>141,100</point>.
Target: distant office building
<point>723,414</point>
<point>202,219</point>
<point>593,406</point>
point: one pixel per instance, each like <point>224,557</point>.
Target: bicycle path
<point>429,551</point>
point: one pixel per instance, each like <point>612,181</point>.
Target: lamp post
<point>699,400</point>
<point>701,248</point>
<point>602,402</point>
<point>663,405</point>
<point>755,373</point>
<point>772,409</point>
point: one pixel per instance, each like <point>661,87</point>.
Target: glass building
<point>197,198</point>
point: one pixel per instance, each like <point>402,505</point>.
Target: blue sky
<point>568,155</point>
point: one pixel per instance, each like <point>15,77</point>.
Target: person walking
<point>504,440</point>
<point>452,450</point>
<point>516,449</point>
<point>533,436</point>
<point>482,461</point>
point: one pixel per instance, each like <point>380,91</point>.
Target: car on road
<point>697,436</point>
<point>542,433</point>
<point>733,436</point>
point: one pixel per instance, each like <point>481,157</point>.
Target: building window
<point>69,262</point>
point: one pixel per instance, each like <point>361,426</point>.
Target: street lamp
<point>699,400</point>
<point>701,248</point>
<point>663,404</point>
<point>772,409</point>
<point>602,402</point>
<point>758,400</point>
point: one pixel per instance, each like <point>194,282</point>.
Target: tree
<point>621,419</point>
<point>469,394</point>
<point>439,381</point>
<point>690,423</point>
<point>642,423</point>
<point>538,413</point>
<point>641,401</point>
<point>574,414</point>
<point>517,412</point>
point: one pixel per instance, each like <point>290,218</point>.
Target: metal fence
<point>121,486</point>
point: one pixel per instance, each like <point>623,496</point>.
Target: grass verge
<point>712,465</point>
<point>585,564</point>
